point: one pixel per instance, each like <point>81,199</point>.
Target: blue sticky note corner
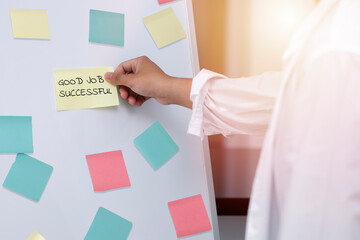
<point>156,145</point>
<point>28,177</point>
<point>16,134</point>
<point>107,225</point>
<point>106,27</point>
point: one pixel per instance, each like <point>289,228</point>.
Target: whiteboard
<point>62,139</point>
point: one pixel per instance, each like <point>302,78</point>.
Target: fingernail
<point>108,75</point>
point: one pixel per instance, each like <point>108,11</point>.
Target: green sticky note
<point>28,177</point>
<point>106,27</point>
<point>156,145</point>
<point>16,135</point>
<point>107,225</point>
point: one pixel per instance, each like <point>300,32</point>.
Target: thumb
<point>118,78</point>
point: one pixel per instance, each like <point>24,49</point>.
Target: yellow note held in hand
<point>30,23</point>
<point>84,88</point>
<point>164,27</point>
<point>35,236</point>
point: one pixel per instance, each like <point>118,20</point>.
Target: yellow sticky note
<point>84,88</point>
<point>35,236</point>
<point>30,23</point>
<point>164,27</point>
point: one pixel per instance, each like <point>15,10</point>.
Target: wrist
<point>179,91</point>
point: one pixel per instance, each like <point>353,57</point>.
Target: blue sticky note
<point>106,27</point>
<point>107,225</point>
<point>156,145</point>
<point>16,135</point>
<point>28,177</point>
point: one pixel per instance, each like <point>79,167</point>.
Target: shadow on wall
<point>210,31</point>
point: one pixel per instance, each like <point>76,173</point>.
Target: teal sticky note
<point>16,134</point>
<point>156,145</point>
<point>106,27</point>
<point>107,225</point>
<point>28,177</point>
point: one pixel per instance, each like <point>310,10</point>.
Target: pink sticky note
<point>108,170</point>
<point>189,216</point>
<point>164,1</point>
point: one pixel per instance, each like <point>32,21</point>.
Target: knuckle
<point>143,58</point>
<point>116,78</point>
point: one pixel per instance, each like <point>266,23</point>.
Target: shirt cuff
<point>199,90</point>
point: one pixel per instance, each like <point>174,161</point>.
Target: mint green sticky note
<point>107,225</point>
<point>16,135</point>
<point>106,27</point>
<point>156,145</point>
<point>28,177</point>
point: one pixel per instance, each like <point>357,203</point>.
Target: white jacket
<point>307,185</point>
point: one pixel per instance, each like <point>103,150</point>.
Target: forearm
<point>232,105</point>
<point>178,91</point>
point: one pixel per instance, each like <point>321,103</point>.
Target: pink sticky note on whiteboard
<point>164,1</point>
<point>108,171</point>
<point>189,216</point>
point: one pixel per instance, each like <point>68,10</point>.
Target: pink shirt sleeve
<point>229,106</point>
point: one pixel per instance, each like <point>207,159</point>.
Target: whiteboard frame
<point>206,152</point>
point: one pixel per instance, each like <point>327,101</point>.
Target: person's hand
<point>140,79</point>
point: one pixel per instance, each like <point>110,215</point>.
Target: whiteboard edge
<point>206,152</point>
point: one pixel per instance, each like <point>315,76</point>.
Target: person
<point>307,184</point>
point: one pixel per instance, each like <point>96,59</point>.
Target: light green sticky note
<point>28,177</point>
<point>106,27</point>
<point>164,27</point>
<point>30,23</point>
<point>16,134</point>
<point>107,225</point>
<point>156,145</point>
